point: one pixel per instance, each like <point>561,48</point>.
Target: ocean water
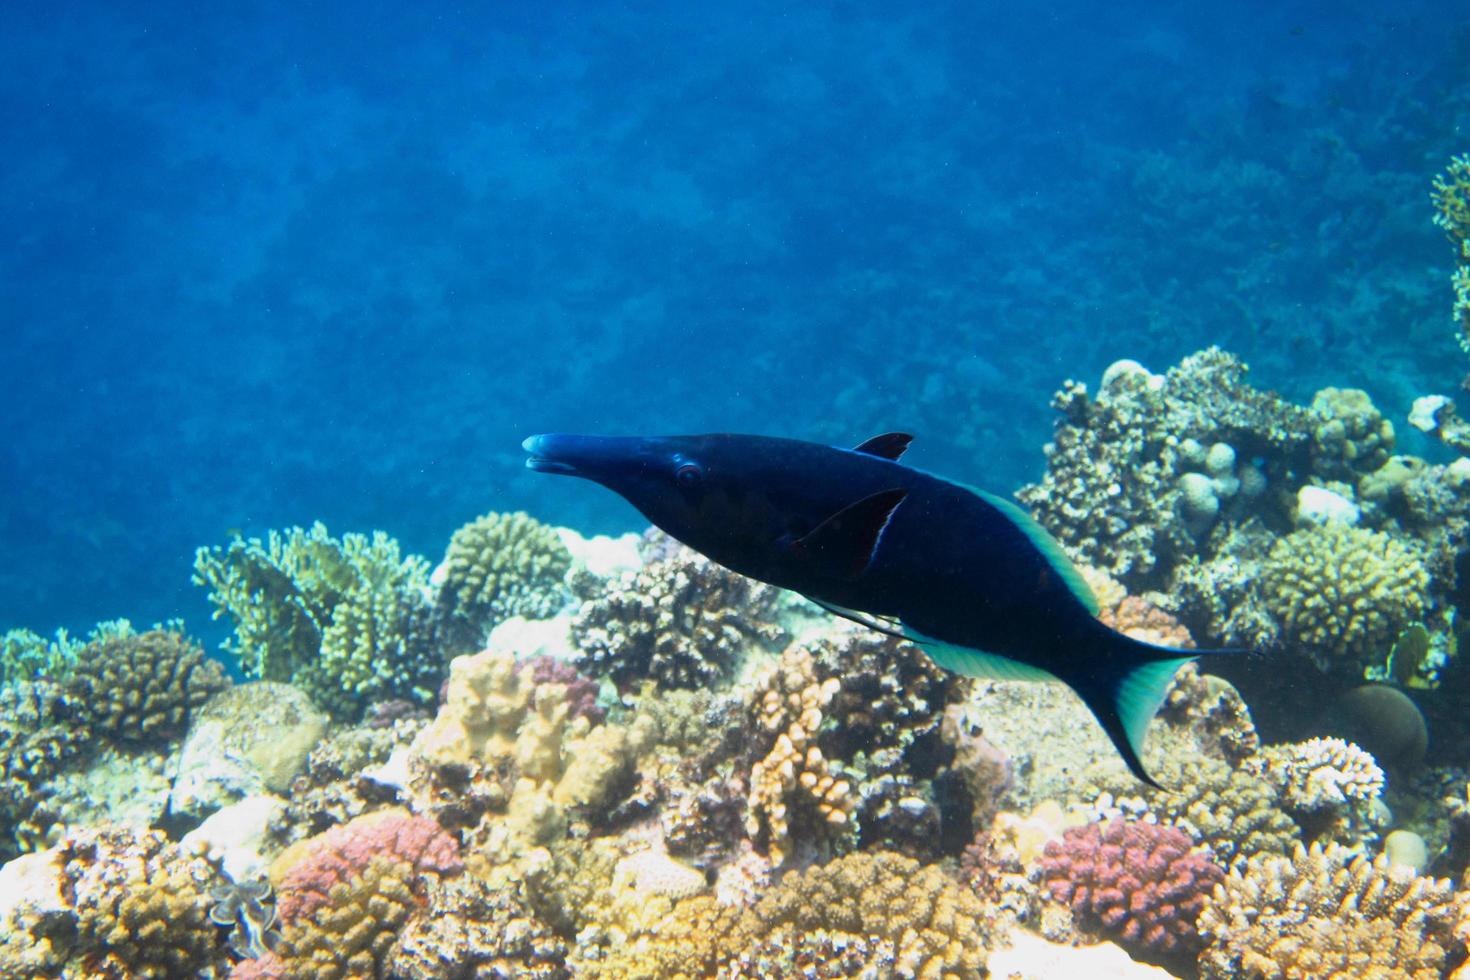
<point>333,263</point>
<point>274,264</point>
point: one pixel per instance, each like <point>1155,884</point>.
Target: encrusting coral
<point>497,566</point>
<point>143,687</point>
<point>346,621</point>
<point>1142,883</point>
<point>1343,594</point>
<point>683,621</point>
<point>1328,912</point>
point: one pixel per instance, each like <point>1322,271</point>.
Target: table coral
<point>1328,911</point>
<point>683,621</point>
<point>143,687</point>
<point>497,566</point>
<point>1142,883</point>
<point>1343,594</point>
<point>345,620</point>
<point>141,906</point>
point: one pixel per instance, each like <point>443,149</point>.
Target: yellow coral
<point>354,933</point>
<point>1343,593</point>
<point>1328,912</point>
<point>790,701</point>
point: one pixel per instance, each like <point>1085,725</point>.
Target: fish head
<point>701,490</point>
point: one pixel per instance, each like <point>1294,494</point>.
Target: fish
<point>968,576</point>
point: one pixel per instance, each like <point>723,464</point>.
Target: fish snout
<point>593,457</point>
<point>544,456</point>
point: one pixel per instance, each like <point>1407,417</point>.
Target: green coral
<point>28,656</point>
<point>498,566</point>
<point>1451,197</point>
<point>1343,594</point>
<point>344,620</point>
<point>143,687</point>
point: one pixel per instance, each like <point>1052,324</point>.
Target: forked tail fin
<point>1124,687</point>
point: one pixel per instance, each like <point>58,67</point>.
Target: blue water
<point>333,261</point>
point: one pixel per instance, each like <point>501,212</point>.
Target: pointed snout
<point>592,457</point>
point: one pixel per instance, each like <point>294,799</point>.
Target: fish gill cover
<point>285,287</point>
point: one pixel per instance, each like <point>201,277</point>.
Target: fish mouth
<point>543,459</point>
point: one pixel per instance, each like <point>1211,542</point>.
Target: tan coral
<point>789,700</point>
<point>1328,912</point>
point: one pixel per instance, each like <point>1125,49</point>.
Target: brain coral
<point>141,906</point>
<point>1141,882</point>
<point>1343,594</point>
<point>1328,912</point>
<point>498,566</point>
<point>143,687</point>
<point>684,621</point>
<point>343,620</point>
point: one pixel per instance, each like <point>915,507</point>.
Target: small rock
<point>1318,505</point>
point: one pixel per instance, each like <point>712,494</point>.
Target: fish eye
<point>688,475</point>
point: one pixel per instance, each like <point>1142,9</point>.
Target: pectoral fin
<point>844,544</point>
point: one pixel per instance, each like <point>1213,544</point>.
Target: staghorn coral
<point>1343,594</point>
<point>141,906</point>
<point>1134,481</point>
<point>793,779</point>
<point>1328,912</point>
<point>683,621</point>
<point>346,621</point>
<point>497,566</point>
<point>1142,883</point>
<point>143,687</point>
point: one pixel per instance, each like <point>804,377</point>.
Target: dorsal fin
<point>845,542</point>
<point>1047,545</point>
<point>890,445</point>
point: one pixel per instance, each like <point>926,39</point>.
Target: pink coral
<point>1140,881</point>
<point>343,853</point>
<point>581,689</point>
<point>1145,621</point>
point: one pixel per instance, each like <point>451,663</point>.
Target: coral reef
<point>1142,883</point>
<point>683,621</point>
<point>143,687</point>
<point>793,782</point>
<point>1343,594</point>
<point>346,621</point>
<point>139,907</point>
<point>470,928</point>
<point>28,656</point>
<point>1330,787</point>
<point>334,789</point>
<point>39,737</point>
<point>1328,911</point>
<point>497,566</point>
<point>1451,197</point>
<point>1138,478</point>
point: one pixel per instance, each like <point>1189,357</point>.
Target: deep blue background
<point>333,261</point>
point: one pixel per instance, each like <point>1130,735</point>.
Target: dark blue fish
<point>967,575</point>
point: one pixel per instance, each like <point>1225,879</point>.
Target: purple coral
<point>581,689</point>
<point>344,852</point>
<point>1140,881</point>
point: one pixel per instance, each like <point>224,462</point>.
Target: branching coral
<point>143,687</point>
<point>684,622</point>
<point>1328,912</point>
<point>343,620</point>
<point>794,777</point>
<point>28,656</point>
<point>141,906</point>
<point>1342,594</point>
<point>497,566</point>
<point>1141,882</point>
<point>39,736</point>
